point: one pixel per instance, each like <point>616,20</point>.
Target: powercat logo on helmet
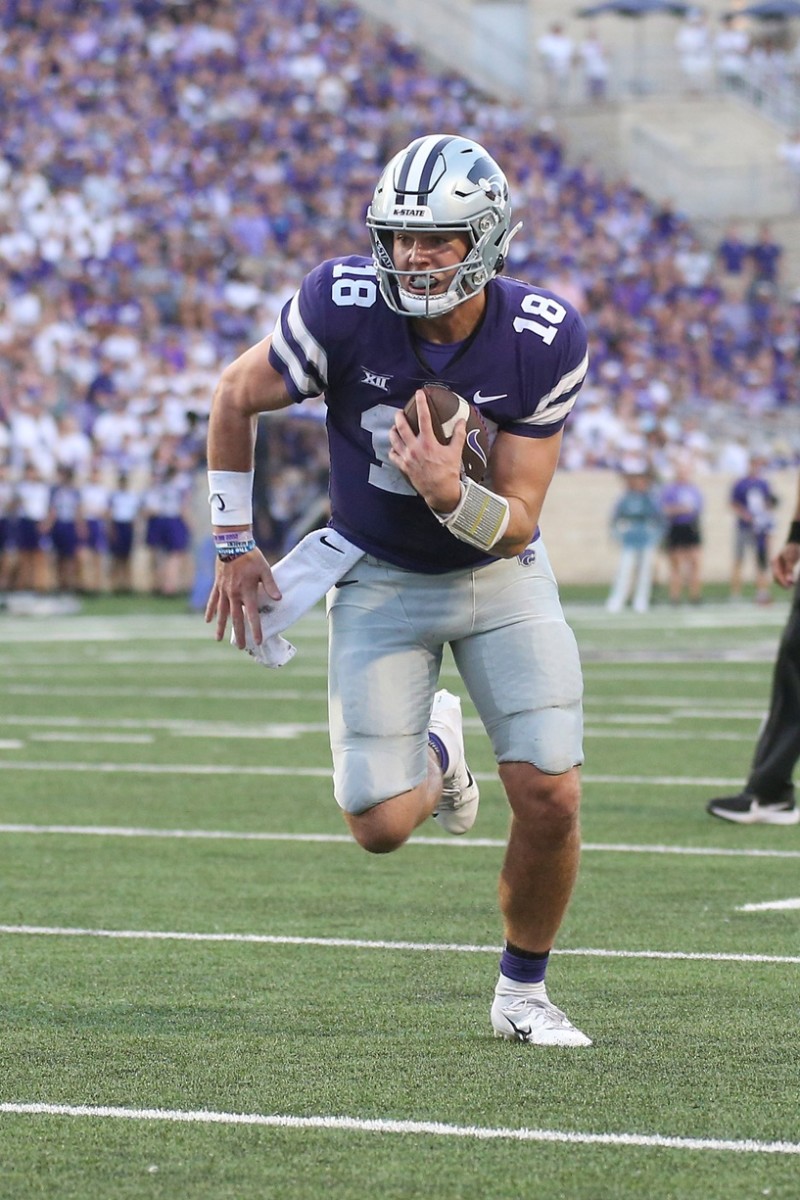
<point>422,213</point>
<point>484,174</point>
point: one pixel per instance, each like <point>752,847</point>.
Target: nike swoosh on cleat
<point>324,541</point>
<point>522,1034</point>
<point>479,399</point>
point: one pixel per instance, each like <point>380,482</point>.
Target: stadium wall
<point>578,507</point>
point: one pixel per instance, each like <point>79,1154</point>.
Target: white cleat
<point>533,1019</point>
<point>458,804</point>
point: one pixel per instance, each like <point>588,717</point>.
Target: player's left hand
<point>433,470</point>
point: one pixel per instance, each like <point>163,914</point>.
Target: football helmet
<point>439,183</point>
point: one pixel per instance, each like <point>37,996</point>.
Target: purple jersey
<point>523,367</point>
<point>754,494</point>
<point>685,497</point>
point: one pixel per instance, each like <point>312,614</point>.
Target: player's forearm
<point>231,443</point>
<point>522,471</point>
<point>522,525</point>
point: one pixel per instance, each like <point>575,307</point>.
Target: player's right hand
<point>238,592</point>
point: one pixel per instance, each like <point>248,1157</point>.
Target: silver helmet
<point>440,183</point>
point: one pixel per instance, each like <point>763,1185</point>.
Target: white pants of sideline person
<point>634,572</point>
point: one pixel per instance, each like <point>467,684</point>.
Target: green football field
<point>209,993</point>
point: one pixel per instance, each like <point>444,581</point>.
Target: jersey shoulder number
<point>544,316</point>
<point>354,283</point>
<point>317,318</point>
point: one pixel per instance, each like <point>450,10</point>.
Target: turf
<point>279,975</point>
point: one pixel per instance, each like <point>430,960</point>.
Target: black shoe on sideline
<point>747,809</point>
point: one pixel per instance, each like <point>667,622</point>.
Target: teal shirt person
<point>637,520</point>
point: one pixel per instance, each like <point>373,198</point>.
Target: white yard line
<point>458,844</point>
<point>266,694</point>
<point>177,726</point>
<point>264,939</point>
<point>214,696</point>
<point>110,768</point>
<point>94,737</point>
<point>660,734</point>
<point>612,726</point>
<point>683,706</point>
<point>602,671</point>
<point>421,1128</point>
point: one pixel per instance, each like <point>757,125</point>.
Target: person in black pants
<point>768,797</point>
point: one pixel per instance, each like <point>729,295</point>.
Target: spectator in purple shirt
<point>753,500</point>
<point>765,255</point>
<point>733,251</point>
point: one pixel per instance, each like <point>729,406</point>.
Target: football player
<point>445,560</point>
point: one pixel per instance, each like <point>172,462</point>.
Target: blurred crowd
<point>168,173</point>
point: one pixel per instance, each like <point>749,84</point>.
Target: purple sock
<point>523,966</point>
<point>440,750</point>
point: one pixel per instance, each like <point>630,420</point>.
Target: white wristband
<point>230,494</point>
<point>480,518</point>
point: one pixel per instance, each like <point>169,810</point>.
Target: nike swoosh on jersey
<point>479,399</point>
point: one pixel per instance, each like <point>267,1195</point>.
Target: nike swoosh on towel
<point>324,542</point>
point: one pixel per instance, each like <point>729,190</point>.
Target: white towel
<point>303,575</point>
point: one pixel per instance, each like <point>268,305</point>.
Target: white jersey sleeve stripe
<point>558,402</point>
<point>573,379</point>
<point>316,357</point>
<point>305,359</point>
<point>300,379</point>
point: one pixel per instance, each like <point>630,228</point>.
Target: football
<point>446,408</point>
